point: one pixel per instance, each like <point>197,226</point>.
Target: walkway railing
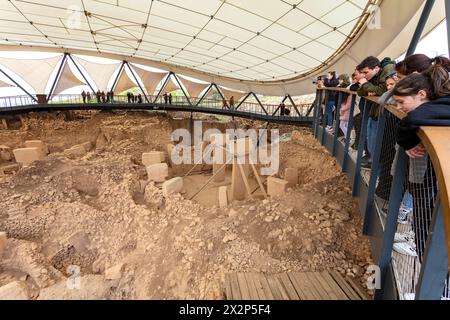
<point>299,114</point>
<point>404,202</point>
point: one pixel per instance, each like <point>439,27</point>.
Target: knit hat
<point>346,79</point>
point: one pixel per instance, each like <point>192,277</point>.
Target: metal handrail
<point>435,140</point>
<point>76,99</point>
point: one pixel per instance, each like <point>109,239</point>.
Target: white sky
<point>434,44</point>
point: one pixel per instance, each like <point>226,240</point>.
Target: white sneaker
<point>329,129</point>
<point>405,248</point>
<point>409,296</point>
<point>404,214</point>
<point>404,237</point>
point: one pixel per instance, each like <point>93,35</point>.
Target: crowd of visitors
<point>419,86</point>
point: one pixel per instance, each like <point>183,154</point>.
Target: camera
<point>319,78</point>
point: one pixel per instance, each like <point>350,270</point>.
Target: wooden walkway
<point>328,285</point>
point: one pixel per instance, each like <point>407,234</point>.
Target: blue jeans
<point>372,128</point>
<point>329,109</point>
<point>407,200</point>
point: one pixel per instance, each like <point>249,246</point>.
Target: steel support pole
<point>434,266</point>
<point>205,94</point>
<point>447,13</point>
<point>82,74</point>
<point>137,81</point>
<point>163,86</point>
<point>257,99</point>
<point>243,100</point>
<point>420,27</point>
<point>58,75</point>
<point>181,87</point>
<point>18,85</point>
<point>390,228</point>
<point>117,77</point>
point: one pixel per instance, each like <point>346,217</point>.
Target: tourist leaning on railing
<point>387,157</point>
<point>425,98</point>
<point>386,169</point>
<point>373,84</point>
<point>416,63</point>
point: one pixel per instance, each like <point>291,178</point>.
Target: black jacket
<point>331,84</point>
<point>434,113</point>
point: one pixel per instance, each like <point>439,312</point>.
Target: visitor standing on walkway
<point>232,103</point>
<point>83,95</point>
<point>330,81</point>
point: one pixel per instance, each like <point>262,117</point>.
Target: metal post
<point>243,100</point>
<point>79,70</point>
<point>361,145</point>
<point>375,170</point>
<point>318,109</point>
<point>163,86</point>
<point>309,110</point>
<point>117,77</point>
<point>276,110</point>
<point>351,123</point>
<point>18,85</point>
<point>293,104</point>
<point>58,75</point>
<point>447,13</point>
<point>434,267</point>
<point>420,27</point>
<point>324,117</point>
<point>181,87</point>
<point>205,94</point>
<point>218,90</point>
<point>257,99</point>
<point>338,122</point>
<point>137,81</point>
<point>395,200</point>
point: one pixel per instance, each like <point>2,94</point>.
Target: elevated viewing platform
<point>263,151</point>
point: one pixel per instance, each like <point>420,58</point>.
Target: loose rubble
<point>93,224</point>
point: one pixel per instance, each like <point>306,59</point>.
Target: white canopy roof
<point>272,47</point>
<point>244,39</point>
<point>100,73</point>
<point>67,80</point>
<point>36,72</point>
<point>3,84</point>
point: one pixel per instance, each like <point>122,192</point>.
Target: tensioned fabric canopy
<point>235,94</point>
<point>124,82</point>
<point>272,47</point>
<point>149,79</point>
<point>193,88</point>
<point>3,84</point>
<point>243,39</point>
<point>100,73</point>
<point>67,80</point>
<point>36,72</point>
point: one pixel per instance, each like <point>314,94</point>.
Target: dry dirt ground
<point>98,212</point>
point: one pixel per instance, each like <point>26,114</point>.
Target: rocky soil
<point>97,216</point>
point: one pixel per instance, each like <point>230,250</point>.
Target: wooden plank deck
<point>292,286</point>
